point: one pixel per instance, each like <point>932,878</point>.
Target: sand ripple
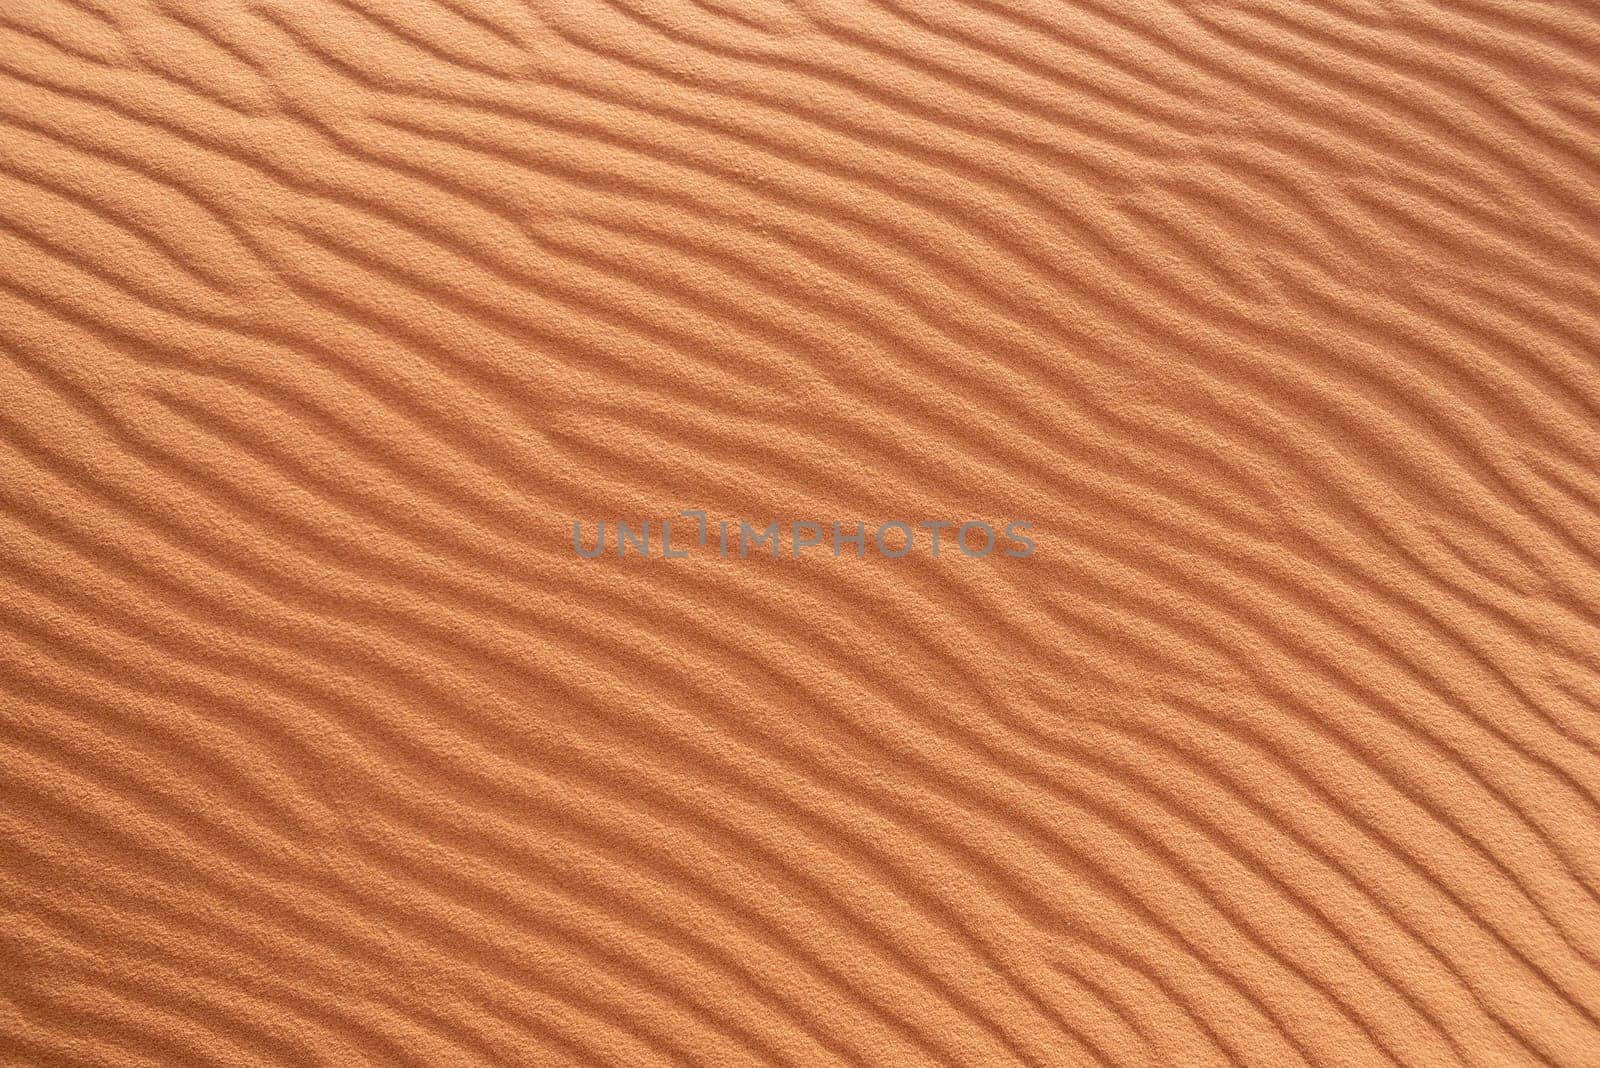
<point>322,320</point>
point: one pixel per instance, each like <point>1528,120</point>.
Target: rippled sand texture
<point>322,319</point>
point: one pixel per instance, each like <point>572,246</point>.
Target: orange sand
<point>322,320</point>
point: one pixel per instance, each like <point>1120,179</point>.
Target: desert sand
<point>323,321</point>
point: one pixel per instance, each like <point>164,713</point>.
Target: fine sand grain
<point>321,321</point>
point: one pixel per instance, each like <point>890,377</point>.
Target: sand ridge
<point>323,321</point>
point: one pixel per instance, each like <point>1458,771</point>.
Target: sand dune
<point>323,322</point>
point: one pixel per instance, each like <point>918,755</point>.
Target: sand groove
<point>322,320</point>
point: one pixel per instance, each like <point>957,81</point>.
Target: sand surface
<point>321,321</point>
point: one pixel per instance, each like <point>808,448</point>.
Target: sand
<point>323,321</point>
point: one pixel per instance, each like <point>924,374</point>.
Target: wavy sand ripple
<point>322,320</point>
